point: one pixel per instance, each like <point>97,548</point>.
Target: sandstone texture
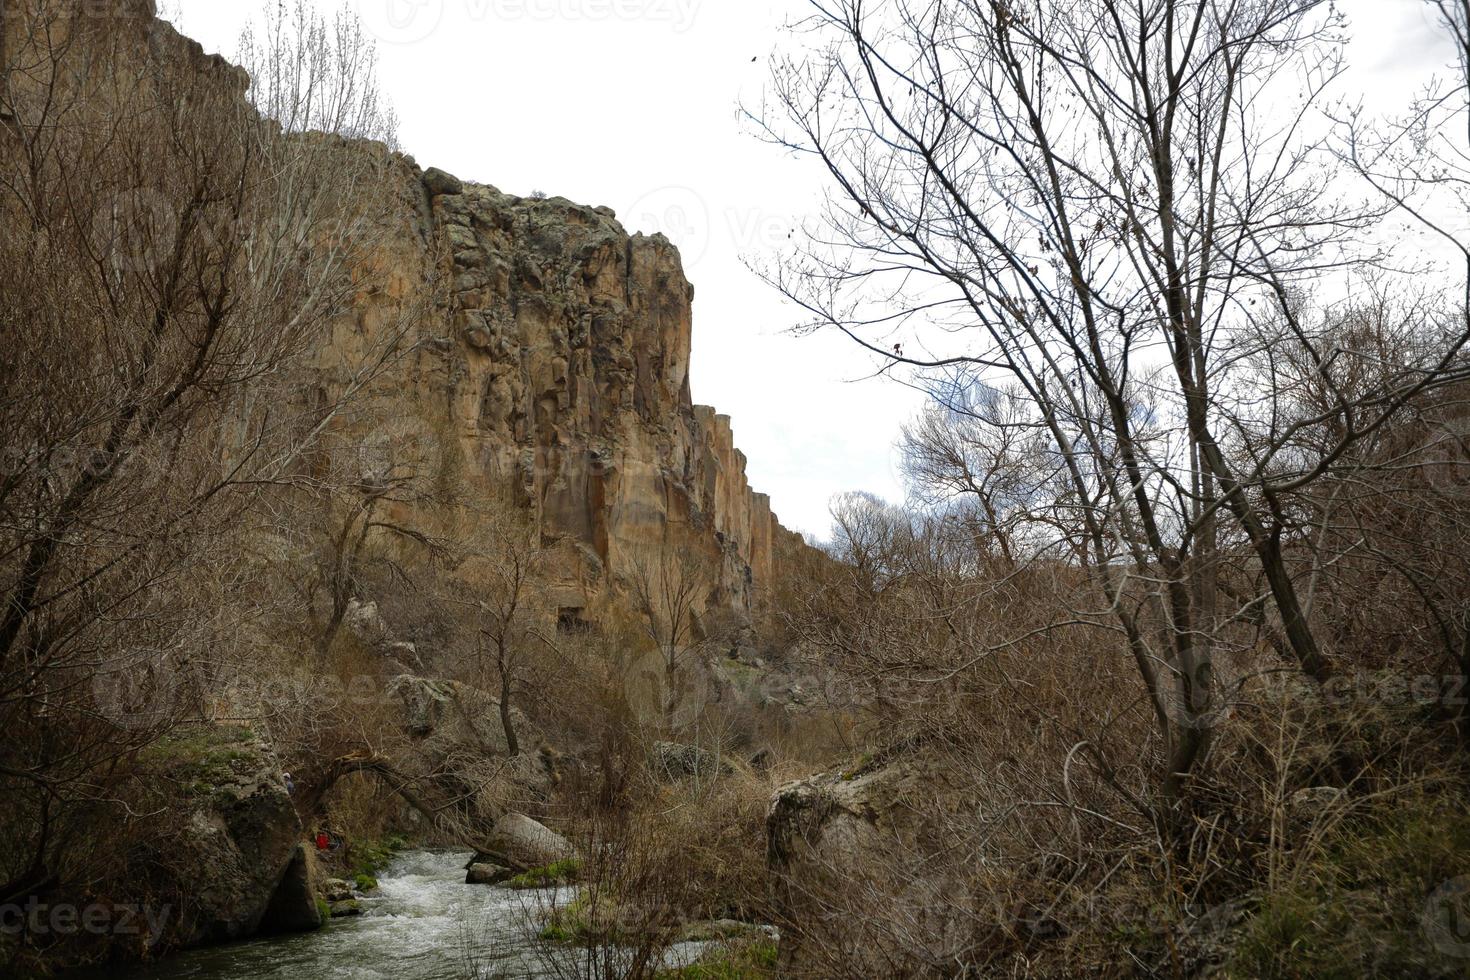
<point>549,358</point>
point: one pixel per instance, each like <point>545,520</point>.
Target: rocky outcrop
<point>448,719</point>
<point>293,906</point>
<point>455,735</point>
<point>547,355</point>
<point>233,856</point>
<point>866,877</point>
<point>443,749</point>
<point>551,361</point>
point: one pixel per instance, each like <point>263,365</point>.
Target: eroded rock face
<point>236,838</point>
<point>293,907</point>
<point>551,358</point>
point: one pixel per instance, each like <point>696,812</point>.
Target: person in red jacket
<point>322,841</point>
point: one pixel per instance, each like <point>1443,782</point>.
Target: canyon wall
<point>549,355</point>
<point>527,348</point>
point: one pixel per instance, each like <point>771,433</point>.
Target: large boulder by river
<point>866,881</point>
<point>521,843</point>
<point>228,837</point>
<point>293,906</point>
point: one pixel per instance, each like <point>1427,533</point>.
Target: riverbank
<point>423,923</point>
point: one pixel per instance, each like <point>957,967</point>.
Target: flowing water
<point>421,926</point>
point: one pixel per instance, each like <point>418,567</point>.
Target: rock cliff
<point>550,356</point>
<point>547,353</point>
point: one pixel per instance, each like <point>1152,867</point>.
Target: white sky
<point>632,104</point>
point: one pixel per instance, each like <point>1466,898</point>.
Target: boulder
<point>458,736</point>
<point>293,907</point>
<point>673,761</point>
<point>336,890</point>
<point>404,653</point>
<point>236,844</point>
<point>523,844</point>
<point>437,182</point>
<point>842,848</point>
<point>453,715</point>
<point>363,621</point>
<point>345,909</point>
<point>487,873</point>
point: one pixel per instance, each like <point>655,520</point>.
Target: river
<point>419,927</point>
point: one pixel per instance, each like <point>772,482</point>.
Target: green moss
<point>557,932</point>
<point>591,917</point>
<point>364,882</point>
<point>746,961</point>
<point>324,912</point>
<point>570,921</point>
<point>192,742</point>
<point>200,759</point>
<point>365,858</point>
<point>557,873</point>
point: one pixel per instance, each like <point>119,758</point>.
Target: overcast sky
<point>633,104</point>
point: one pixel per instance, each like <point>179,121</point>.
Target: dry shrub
<point>688,853</point>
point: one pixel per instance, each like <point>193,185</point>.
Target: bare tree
<point>506,569</point>
<point>167,258</point>
<point>1107,206</point>
<point>670,588</point>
